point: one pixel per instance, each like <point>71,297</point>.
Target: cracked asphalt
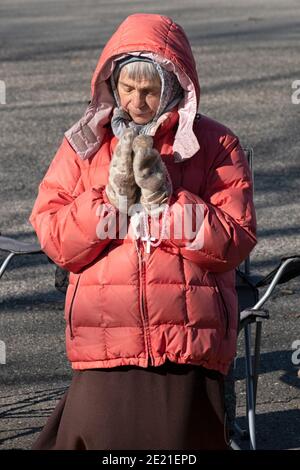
<point>247,55</point>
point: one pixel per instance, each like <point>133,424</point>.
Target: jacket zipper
<point>140,251</point>
<point>225,310</point>
<point>71,309</point>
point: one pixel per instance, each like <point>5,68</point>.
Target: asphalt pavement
<point>247,55</point>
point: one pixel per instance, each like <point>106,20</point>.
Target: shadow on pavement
<point>29,406</point>
<point>270,425</point>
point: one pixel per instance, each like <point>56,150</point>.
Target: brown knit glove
<point>150,173</point>
<point>122,190</point>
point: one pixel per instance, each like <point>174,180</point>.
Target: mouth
<point>140,114</point>
<point>141,118</point>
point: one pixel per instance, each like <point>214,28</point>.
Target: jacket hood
<point>146,35</point>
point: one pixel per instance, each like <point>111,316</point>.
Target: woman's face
<point>139,98</point>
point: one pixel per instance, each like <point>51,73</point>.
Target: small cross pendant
<point>148,244</point>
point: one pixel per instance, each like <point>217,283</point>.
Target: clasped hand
<point>137,171</point>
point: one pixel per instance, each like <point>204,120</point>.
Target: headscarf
<point>171,94</point>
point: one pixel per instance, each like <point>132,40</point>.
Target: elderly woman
<point>151,308</point>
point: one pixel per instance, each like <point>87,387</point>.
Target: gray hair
<point>140,70</point>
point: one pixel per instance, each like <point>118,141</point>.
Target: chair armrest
<point>17,247</point>
<point>289,268</point>
<point>250,315</point>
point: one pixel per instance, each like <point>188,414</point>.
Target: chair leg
<point>234,445</point>
<point>256,358</point>
<point>250,388</point>
<point>6,263</point>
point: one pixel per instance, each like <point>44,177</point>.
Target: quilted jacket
<point>125,306</point>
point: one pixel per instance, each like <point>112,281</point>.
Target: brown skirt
<point>171,407</point>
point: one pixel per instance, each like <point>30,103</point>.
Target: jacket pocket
<point>224,305</point>
<point>70,315</point>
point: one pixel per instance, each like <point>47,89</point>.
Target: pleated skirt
<point>170,407</point>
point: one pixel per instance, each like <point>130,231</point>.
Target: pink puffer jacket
<point>125,306</point>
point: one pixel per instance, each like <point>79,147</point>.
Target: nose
<point>138,100</point>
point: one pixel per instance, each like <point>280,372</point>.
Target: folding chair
<point>252,313</point>
<point>287,269</point>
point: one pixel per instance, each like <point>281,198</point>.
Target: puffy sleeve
<point>227,230</point>
<point>65,218</point>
